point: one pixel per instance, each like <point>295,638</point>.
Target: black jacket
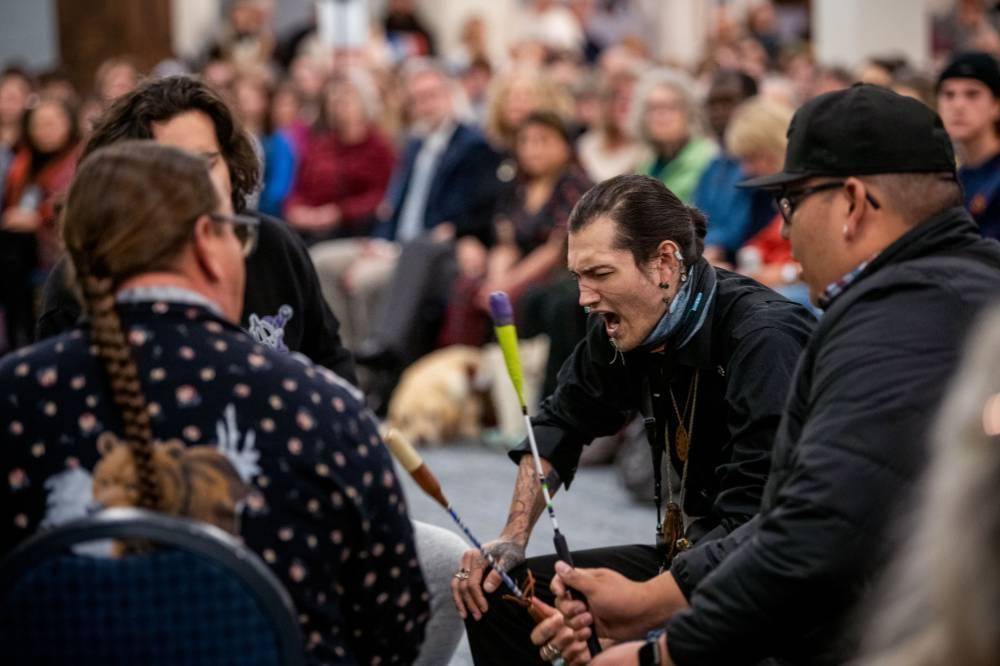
<point>848,453</point>
<point>745,352</point>
<point>282,299</point>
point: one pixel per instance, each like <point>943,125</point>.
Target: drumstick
<point>503,325</point>
<point>417,468</point>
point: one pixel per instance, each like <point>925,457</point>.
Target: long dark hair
<point>646,213</point>
<point>38,158</point>
<point>132,117</point>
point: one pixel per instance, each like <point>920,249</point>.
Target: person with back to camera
<point>160,401</point>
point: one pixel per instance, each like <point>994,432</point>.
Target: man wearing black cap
<point>968,95</point>
<point>875,216</point>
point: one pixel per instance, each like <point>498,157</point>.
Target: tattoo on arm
<point>528,501</point>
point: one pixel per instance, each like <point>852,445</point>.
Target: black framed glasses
<point>245,227</point>
<point>790,200</point>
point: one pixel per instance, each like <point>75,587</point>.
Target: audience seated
<point>443,188</point>
<point>733,213</point>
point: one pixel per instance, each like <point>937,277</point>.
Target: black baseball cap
<point>974,65</point>
<point>862,130</point>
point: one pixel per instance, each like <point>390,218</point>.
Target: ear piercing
<point>680,259</point>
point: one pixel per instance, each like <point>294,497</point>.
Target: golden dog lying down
<point>435,401</point>
<point>444,396</point>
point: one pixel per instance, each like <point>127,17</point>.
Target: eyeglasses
<point>245,227</point>
<point>789,201</point>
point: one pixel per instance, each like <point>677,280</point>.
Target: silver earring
<point>586,309</point>
<point>684,276</point>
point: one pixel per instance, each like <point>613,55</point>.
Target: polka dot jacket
<point>258,442</point>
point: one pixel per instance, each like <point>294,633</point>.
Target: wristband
<point>649,653</point>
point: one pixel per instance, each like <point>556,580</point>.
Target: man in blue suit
<point>447,174</point>
<point>444,187</point>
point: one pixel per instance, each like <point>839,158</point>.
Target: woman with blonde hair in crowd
<point>666,115</point>
<point>513,96</point>
<point>756,137</point>
<point>941,600</point>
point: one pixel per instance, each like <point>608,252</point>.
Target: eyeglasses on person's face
<point>245,227</point>
<point>789,200</point>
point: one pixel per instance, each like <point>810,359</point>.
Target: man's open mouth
<point>611,323</point>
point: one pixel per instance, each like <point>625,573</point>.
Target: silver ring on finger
<point>550,652</point>
<point>462,574</point>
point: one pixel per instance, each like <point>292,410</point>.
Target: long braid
<point>126,391</point>
<point>132,209</point>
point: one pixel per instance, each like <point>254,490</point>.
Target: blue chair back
<point>197,597</point>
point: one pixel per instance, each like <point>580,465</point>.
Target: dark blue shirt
<point>734,215</point>
<point>982,194</point>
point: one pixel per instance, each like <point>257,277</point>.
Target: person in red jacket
<point>345,169</point>
<point>40,172</point>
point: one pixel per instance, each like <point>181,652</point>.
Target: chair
<point>197,597</point>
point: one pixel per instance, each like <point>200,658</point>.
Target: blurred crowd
<point>422,183</point>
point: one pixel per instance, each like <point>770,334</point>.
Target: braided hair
<point>131,209</point>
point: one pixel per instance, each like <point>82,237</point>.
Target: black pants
<point>502,636</point>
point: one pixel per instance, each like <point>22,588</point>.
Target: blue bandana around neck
<point>688,301</point>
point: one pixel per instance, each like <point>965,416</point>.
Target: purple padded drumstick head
<point>500,309</point>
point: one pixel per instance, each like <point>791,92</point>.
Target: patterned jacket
<point>262,443</point>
